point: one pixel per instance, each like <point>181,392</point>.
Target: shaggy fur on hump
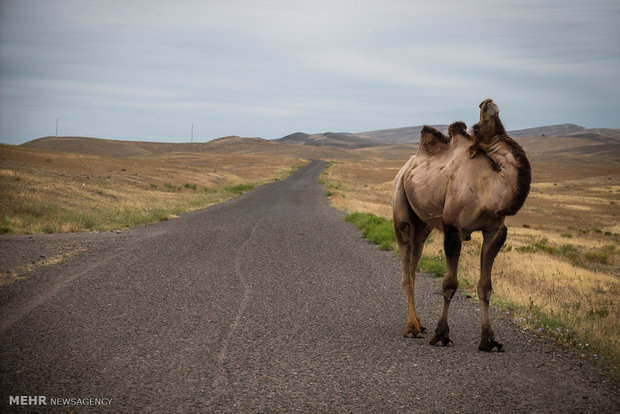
<point>458,128</point>
<point>432,141</point>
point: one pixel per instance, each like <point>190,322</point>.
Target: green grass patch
<point>597,256</point>
<point>433,265</point>
<point>241,188</point>
<point>376,229</point>
<point>541,245</point>
<point>172,188</point>
<point>381,232</point>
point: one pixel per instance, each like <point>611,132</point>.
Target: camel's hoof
<point>441,341</point>
<point>412,331</point>
<point>487,345</point>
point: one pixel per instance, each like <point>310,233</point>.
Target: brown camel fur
<point>459,184</point>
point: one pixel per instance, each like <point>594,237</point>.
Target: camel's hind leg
<point>452,241</point>
<point>493,241</point>
<point>411,233</point>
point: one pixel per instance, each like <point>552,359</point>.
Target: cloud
<point>264,68</point>
<point>376,69</point>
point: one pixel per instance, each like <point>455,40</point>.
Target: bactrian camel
<point>459,184</point>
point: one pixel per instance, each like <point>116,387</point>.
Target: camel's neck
<point>490,128</point>
<point>514,172</point>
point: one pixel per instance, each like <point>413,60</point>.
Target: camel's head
<point>489,125</point>
<point>488,109</point>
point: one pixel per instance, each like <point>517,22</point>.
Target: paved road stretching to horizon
<point>267,303</point>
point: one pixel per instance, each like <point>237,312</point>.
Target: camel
<point>459,184</point>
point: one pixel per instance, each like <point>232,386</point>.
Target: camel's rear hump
<point>432,141</point>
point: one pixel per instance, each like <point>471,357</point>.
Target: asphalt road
<point>267,303</point>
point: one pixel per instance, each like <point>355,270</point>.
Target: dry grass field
<point>559,272</point>
<point>46,191</point>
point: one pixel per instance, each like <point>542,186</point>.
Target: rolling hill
<point>559,130</point>
<point>367,139</point>
<point>552,139</point>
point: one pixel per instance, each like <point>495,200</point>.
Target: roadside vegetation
<point>53,192</point>
<point>558,273</point>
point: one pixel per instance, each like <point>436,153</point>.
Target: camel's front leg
<point>452,246</point>
<point>493,242</point>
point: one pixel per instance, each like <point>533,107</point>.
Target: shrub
<point>570,252</point>
<point>597,256</point>
<point>540,246</point>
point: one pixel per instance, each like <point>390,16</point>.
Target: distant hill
<point>115,148</point>
<point>332,139</point>
<point>399,135</point>
<point>565,138</point>
<point>96,146</point>
<point>359,140</point>
<point>560,130</point>
<point>411,135</point>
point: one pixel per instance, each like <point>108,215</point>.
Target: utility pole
<point>192,138</point>
<point>56,127</point>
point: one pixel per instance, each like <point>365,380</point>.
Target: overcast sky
<point>148,70</point>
